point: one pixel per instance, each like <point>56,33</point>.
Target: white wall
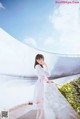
<point>17,58</point>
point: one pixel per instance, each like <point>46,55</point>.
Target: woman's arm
<point>42,71</point>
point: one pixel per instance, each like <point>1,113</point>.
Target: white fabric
<point>38,99</point>
<point>42,73</point>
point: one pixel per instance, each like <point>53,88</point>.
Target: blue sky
<point>43,24</point>
<point>27,18</point>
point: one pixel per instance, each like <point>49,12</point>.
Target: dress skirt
<point>38,99</point>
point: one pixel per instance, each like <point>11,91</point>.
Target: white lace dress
<point>38,99</point>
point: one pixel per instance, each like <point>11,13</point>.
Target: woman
<point>49,102</point>
<point>42,73</point>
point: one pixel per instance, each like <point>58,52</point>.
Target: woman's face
<point>40,61</point>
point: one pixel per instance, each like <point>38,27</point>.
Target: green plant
<point>71,92</point>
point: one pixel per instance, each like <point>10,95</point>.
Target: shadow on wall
<point>66,66</point>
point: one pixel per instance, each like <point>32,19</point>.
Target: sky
<point>43,24</point>
<point>27,18</point>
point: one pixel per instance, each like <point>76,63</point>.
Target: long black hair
<point>38,56</point>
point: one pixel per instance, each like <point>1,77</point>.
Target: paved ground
<point>30,115</point>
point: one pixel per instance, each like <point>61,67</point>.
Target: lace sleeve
<point>42,71</point>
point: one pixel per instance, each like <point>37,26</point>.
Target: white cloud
<point>65,20</point>
<point>30,41</point>
<point>66,24</point>
<point>49,44</point>
<point>49,41</point>
<point>1,6</point>
<point>65,16</point>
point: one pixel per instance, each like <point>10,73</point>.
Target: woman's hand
<point>44,64</point>
<point>50,81</point>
